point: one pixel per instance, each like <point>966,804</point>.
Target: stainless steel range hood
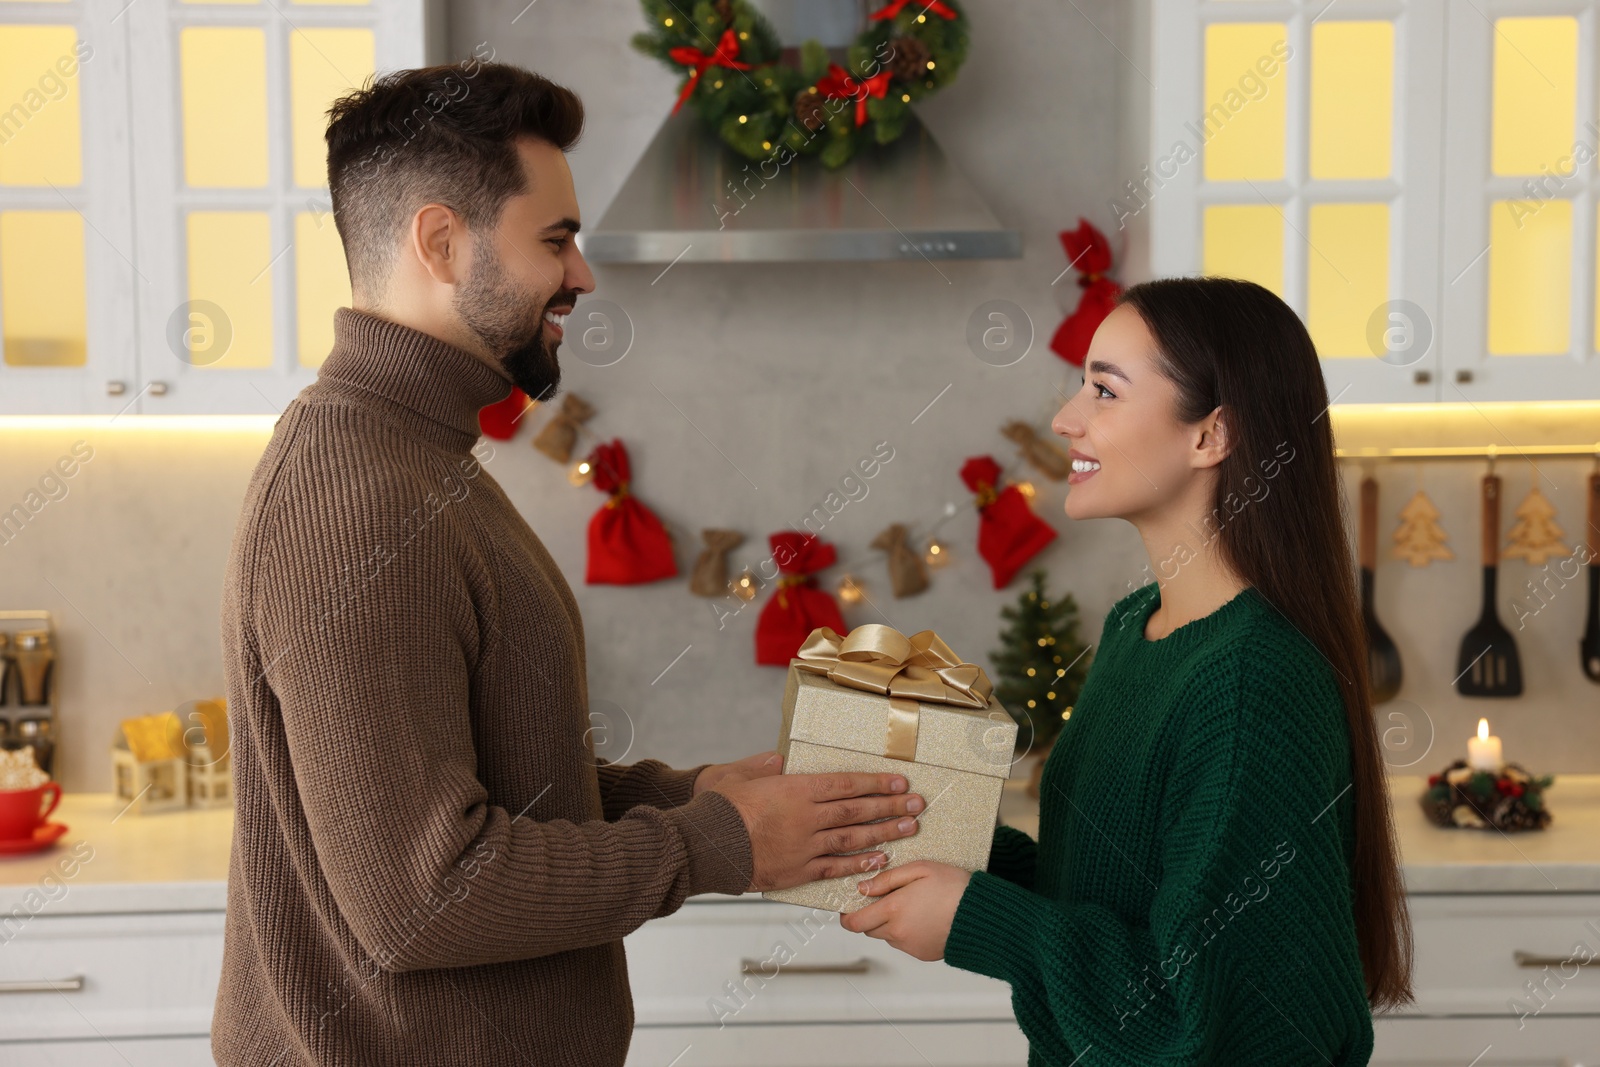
<point>690,199</point>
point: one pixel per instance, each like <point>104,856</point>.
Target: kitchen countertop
<point>1562,858</point>
<point>173,861</point>
<point>178,861</point>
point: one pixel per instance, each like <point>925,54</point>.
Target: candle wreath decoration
<point>1512,799</point>
<point>729,56</point>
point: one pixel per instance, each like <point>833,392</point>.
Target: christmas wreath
<point>729,56</point>
<point>1513,799</point>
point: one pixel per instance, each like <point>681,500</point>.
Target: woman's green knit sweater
<point>1189,898</point>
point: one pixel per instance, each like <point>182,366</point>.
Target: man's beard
<point>511,327</point>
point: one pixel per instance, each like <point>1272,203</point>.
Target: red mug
<point>20,809</point>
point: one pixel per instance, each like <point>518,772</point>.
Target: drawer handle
<point>763,967</point>
<point>62,985</point>
<point>1533,959</point>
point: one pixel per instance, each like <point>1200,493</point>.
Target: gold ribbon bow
<point>881,659</point>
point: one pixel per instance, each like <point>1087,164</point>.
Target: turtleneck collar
<point>432,387</point>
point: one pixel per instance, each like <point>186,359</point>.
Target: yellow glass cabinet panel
<point>1347,275</point>
<point>324,64</point>
<point>42,292</point>
<point>1352,99</point>
<point>1245,102</point>
<point>1245,241</point>
<point>229,260</point>
<point>1530,278</point>
<point>40,128</point>
<point>224,86</point>
<point>1535,92</point>
<point>322,284</point>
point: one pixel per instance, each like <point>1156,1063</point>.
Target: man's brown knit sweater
<point>428,867</point>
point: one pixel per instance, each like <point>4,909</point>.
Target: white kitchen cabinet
<point>108,1052</point>
<point>886,1044</point>
<point>142,926</point>
<point>1499,976</point>
<point>201,264</point>
<point>1343,156</point>
<point>82,977</point>
<point>753,981</point>
<point>66,224</point>
<point>752,961</point>
<point>1544,1042</point>
<point>1522,233</point>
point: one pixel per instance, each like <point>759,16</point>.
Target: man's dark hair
<point>443,134</point>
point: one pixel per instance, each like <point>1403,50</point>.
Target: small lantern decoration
<point>148,764</point>
<point>208,757</point>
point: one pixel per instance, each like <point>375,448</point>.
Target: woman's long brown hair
<point>1233,344</point>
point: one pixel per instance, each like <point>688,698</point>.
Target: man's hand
<point>916,914</point>
<point>757,766</point>
<point>800,823</point>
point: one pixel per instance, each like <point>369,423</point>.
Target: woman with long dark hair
<point>1215,879</point>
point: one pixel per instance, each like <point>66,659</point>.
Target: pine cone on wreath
<point>1521,817</point>
<point>724,10</point>
<point>910,60</point>
<point>809,110</point>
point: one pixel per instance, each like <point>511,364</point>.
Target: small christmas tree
<point>1042,663</point>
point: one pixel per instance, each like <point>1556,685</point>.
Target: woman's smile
<point>1083,467</point>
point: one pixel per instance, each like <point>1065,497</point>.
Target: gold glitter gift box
<point>878,701</point>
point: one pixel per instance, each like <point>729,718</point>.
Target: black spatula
<point>1590,645</point>
<point>1383,659</point>
<point>1488,665</point>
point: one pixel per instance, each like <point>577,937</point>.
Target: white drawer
<point>141,975</point>
<point>1549,1041</point>
<point>111,1052</point>
<point>1476,955</point>
<point>822,1045</point>
<point>691,968</point>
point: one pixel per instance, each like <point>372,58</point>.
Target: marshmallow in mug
<point>19,771</point>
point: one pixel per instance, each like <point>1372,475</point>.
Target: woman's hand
<point>758,766</point>
<point>916,913</point>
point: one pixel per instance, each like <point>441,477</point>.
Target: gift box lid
<point>821,712</point>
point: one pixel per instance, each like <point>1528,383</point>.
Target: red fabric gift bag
<point>627,543</point>
<point>797,606</point>
<point>1009,533</point>
<point>499,420</point>
<point>1090,253</point>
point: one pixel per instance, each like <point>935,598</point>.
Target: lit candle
<point>1483,751</point>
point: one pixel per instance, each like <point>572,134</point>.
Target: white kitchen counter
<point>1564,857</point>
<point>174,861</point>
<point>179,861</point>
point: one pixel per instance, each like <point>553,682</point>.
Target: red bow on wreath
<point>725,55</point>
<point>627,543</point>
<point>896,6</point>
<point>499,420</point>
<point>1009,533</point>
<point>798,606</point>
<point>838,85</point>
<point>1088,251</point>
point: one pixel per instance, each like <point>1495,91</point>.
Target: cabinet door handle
<point>763,967</point>
<point>60,985</point>
<point>1533,959</point>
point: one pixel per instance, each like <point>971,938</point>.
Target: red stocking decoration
<point>1090,254</point>
<point>1009,533</point>
<point>499,420</point>
<point>627,543</point>
<point>798,606</point>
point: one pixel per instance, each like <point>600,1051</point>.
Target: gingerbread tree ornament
<point>1535,536</point>
<point>1420,539</point>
